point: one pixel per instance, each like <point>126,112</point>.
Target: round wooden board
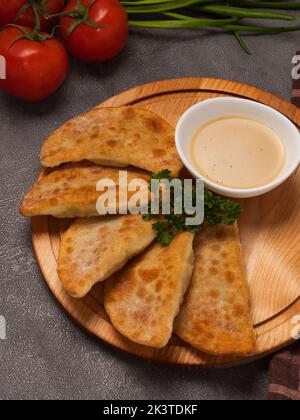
<point>269,231</point>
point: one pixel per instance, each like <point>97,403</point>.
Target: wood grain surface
<point>269,231</point>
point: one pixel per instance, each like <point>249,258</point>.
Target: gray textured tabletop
<point>45,355</point>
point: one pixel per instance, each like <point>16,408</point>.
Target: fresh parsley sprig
<point>217,210</point>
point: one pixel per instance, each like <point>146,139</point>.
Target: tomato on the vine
<point>25,12</point>
<point>94,30</point>
<point>36,63</point>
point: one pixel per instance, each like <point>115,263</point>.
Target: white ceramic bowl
<point>210,109</point>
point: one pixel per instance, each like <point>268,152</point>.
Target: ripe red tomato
<point>34,69</point>
<point>90,43</point>
<point>9,10</point>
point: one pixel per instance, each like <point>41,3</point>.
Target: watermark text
<point>296,327</point>
<point>2,68</point>
<point>160,197</point>
<point>296,68</point>
<point>2,328</point>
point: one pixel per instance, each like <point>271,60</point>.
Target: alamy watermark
<point>2,68</point>
<point>160,197</point>
<point>296,327</point>
<point>2,328</point>
<point>296,67</point>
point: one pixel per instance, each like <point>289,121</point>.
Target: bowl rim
<point>281,178</point>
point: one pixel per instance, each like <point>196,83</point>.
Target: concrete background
<point>45,354</point>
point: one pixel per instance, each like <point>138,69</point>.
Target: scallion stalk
<point>243,13</point>
<point>227,15</point>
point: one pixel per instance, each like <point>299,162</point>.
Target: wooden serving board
<point>269,228</point>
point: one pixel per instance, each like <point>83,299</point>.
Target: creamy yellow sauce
<point>237,152</point>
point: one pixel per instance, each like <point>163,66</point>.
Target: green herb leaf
<point>164,234</point>
<point>217,210</point>
<point>164,174</point>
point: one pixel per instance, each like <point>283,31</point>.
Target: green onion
<point>183,23</point>
<point>261,29</point>
<point>227,15</point>
<point>242,42</point>
<point>283,5</point>
<point>148,2</point>
<point>179,16</point>
<point>165,6</point>
<point>243,13</point>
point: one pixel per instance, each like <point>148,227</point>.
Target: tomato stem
<point>38,8</point>
<point>34,35</point>
<point>80,16</point>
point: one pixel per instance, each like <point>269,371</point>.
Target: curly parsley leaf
<point>217,210</point>
<point>164,174</point>
<point>164,234</point>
